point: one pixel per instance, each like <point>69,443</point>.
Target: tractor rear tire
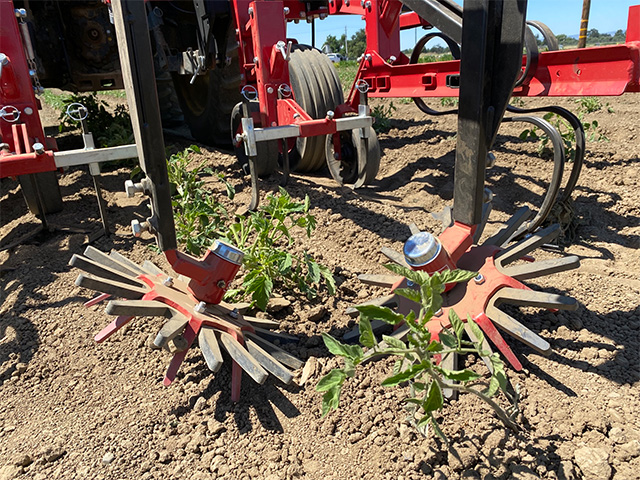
<point>316,88</point>
<point>208,103</point>
<point>49,192</point>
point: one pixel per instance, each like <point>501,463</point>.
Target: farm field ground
<point>72,409</point>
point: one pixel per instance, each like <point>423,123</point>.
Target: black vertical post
<point>491,60</point>
<point>136,61</point>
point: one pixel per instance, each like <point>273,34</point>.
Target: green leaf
<point>260,287</point>
<point>438,430</point>
<point>403,376</point>
<point>330,400</point>
<point>416,276</point>
<point>410,293</point>
<point>375,312</point>
<point>352,352</point>
<point>475,329</point>
<point>459,375</point>
<point>448,340</point>
<point>434,399</point>
<point>457,276</point>
<point>286,263</point>
<point>366,333</point>
<point>349,368</point>
<point>456,323</point>
<point>435,347</point>
<point>524,134</point>
<point>329,279</point>
<point>394,342</point>
<point>332,379</point>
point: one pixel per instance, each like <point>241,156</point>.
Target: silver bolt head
<point>137,227</point>
<point>200,308</point>
<point>4,60</point>
<point>4,146</point>
<point>130,188</point>
<point>491,160</point>
<point>38,148</point>
<point>479,279</point>
<point>168,282</point>
<point>330,114</point>
<point>286,10</point>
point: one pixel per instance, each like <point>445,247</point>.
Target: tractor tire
<point>316,88</point>
<point>49,192</point>
<point>208,103</point>
<point>267,159</point>
<point>170,111</point>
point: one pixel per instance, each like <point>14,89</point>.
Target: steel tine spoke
<point>109,286</point>
<point>90,266</point>
<point>485,346</point>
<point>413,228</point>
<point>269,363</point>
<point>261,322</point>
<point>500,237</point>
<point>101,257</point>
<point>171,330</point>
<point>517,330</point>
<point>112,328</point>
<point>394,256</point>
<point>527,271</point>
<point>530,298</point>
<point>450,362</point>
<point>137,308</point>
<point>523,247</point>
<point>275,336</point>
<point>387,281</point>
<point>125,261</point>
<point>209,347</point>
<point>178,358</point>
<point>386,301</point>
<point>276,352</point>
<point>99,298</point>
<point>490,331</point>
<point>152,268</point>
<point>486,211</point>
<point>243,358</point>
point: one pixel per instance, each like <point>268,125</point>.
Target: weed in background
<point>382,117</point>
<point>420,357</point>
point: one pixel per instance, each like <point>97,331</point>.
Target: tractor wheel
<point>354,167</point>
<point>208,103</point>
<point>170,111</point>
<point>267,160</point>
<point>316,88</point>
<point>49,192</point>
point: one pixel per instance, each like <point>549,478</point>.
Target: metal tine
<point>90,266</point>
<point>530,298</point>
<point>111,287</point>
<point>490,331</point>
<point>523,247</point>
<point>485,346</point>
<point>541,268</point>
<point>387,281</point>
<point>394,256</point>
<point>413,228</point>
<point>101,257</point>
<point>242,357</point>
<point>450,362</point>
<point>112,328</point>
<point>152,268</point>
<point>261,322</point>
<point>500,237</point>
<point>386,301</point>
<point>282,356</point>
<point>486,211</point>
<point>171,330</point>
<point>138,308</point>
<point>124,260</point>
<point>97,299</point>
<point>273,336</point>
<point>514,328</point>
<point>209,347</point>
<point>268,362</point>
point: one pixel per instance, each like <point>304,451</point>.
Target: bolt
<point>479,279</point>
<point>368,57</point>
<point>336,155</point>
<point>438,313</point>
<point>38,148</point>
<point>330,114</point>
<point>239,138</point>
<point>28,111</point>
<point>296,115</point>
<point>234,313</point>
<point>491,160</point>
<point>4,60</point>
<point>487,195</point>
<point>362,3</point>
<point>251,11</point>
<point>323,16</point>
<point>410,283</point>
<point>20,12</point>
<point>347,3</point>
<point>368,5</point>
<point>221,284</point>
<point>132,188</point>
<point>255,60</point>
<point>200,308</point>
<point>286,10</point>
<point>392,59</point>
<point>303,14</point>
<point>168,282</point>
<point>4,146</point>
<point>138,227</point>
<point>270,90</point>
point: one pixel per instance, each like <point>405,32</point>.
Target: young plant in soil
<point>419,358</point>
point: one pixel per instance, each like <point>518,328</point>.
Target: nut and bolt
<point>410,283</point>
<point>20,12</point>
<point>250,11</point>
<point>367,5</point>
<point>137,227</point>
<point>200,308</point>
<point>38,148</point>
<point>296,115</point>
<point>234,313</point>
<point>286,10</point>
<point>392,59</point>
<point>491,160</point>
<point>438,313</point>
<point>28,111</point>
<point>168,282</point>
<point>269,90</point>
<point>4,146</point>
<point>479,280</point>
<point>347,3</point>
<point>4,60</point>
<point>331,114</point>
<point>221,284</point>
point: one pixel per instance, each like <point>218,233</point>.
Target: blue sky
<point>562,16</point>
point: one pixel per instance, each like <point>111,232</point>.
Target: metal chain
<point>21,15</point>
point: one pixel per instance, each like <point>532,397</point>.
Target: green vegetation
<point>265,236</point>
<point>420,357</point>
<point>382,117</point>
